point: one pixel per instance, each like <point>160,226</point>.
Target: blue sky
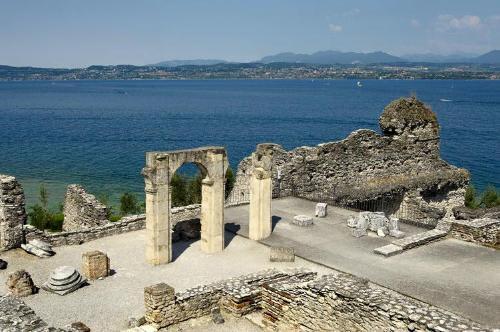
<point>69,33</point>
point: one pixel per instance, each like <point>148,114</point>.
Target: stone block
<point>282,254</point>
<point>393,223</point>
<point>19,283</point>
<point>95,265</point>
<point>38,248</point>
<point>359,232</point>
<point>352,222</point>
<point>64,280</point>
<point>388,250</point>
<point>396,233</point>
<point>302,221</point>
<point>321,210</point>
<point>382,231</point>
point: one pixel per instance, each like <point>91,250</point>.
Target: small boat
<point>359,84</point>
<point>445,100</point>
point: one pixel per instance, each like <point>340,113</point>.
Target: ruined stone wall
<point>82,210</point>
<point>483,231</point>
<point>239,296</point>
<point>12,212</point>
<point>401,165</point>
<point>346,303</point>
<point>180,215</point>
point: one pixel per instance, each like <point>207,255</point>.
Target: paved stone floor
<point>455,275</point>
<point>106,305</point>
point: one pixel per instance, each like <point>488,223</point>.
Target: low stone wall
<point>346,303</point>
<point>296,300</point>
<point>180,215</point>
<point>239,296</point>
<point>12,212</point>
<point>483,231</point>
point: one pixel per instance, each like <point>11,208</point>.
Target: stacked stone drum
<point>64,280</point>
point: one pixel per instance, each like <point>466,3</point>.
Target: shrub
<point>179,195</point>
<point>490,197</point>
<point>40,217</point>
<point>470,197</point>
<point>129,204</point>
<point>114,217</point>
<point>230,179</point>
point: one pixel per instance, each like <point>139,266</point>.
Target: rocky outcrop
<point>400,172</point>
<point>82,210</point>
<point>12,212</point>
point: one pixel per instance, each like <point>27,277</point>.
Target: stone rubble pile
<point>64,280</point>
<point>375,222</point>
<point>38,248</point>
<point>19,283</point>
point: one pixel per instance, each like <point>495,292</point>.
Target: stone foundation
<point>12,212</point>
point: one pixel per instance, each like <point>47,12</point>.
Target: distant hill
<point>196,62</point>
<point>333,57</point>
<point>488,58</point>
<point>438,58</point>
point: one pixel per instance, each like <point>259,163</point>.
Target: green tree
<point>40,216</point>
<point>179,194</point>
<point>490,197</point>
<point>470,197</point>
<point>230,179</point>
<point>129,204</point>
<point>194,189</point>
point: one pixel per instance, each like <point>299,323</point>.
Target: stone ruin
<point>299,300</point>
<point>399,172</point>
<point>19,283</point>
<point>95,265</point>
<point>38,248</point>
<point>12,213</point>
<point>82,210</point>
<point>64,280</point>
<point>376,222</point>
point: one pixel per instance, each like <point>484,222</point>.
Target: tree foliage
<point>41,217</point>
<point>129,204</point>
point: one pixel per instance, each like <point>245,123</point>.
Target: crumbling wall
<point>484,231</point>
<point>82,210</point>
<point>346,303</point>
<point>402,164</point>
<point>12,212</point>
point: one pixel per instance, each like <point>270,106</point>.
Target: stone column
<point>158,234</point>
<point>212,206</point>
<point>261,188</point>
<point>12,213</point>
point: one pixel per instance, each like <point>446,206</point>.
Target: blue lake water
<point>96,133</point>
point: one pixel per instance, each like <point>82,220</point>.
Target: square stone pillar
<point>261,190</point>
<point>212,209</point>
<point>95,265</point>
<point>159,301</point>
<point>158,228</point>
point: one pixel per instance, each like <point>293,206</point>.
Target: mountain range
<point>338,57</point>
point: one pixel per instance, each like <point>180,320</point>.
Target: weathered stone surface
<point>396,233</point>
<point>465,213</point>
<point>359,232</point>
<point>375,222</point>
<point>78,327</point>
<point>12,212</point>
<point>388,250</point>
<point>64,280</point>
<point>19,283</point>
<point>381,232</point>
<point>95,265</point>
<point>302,221</point>
<point>282,254</point>
<point>400,173</point>
<point>38,248</point>
<point>16,316</point>
<point>3,264</point>
<point>82,210</point>
<point>136,321</point>
<point>321,210</point>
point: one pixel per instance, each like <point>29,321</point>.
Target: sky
<point>71,33</point>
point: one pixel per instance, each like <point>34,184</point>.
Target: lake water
<point>96,133</point>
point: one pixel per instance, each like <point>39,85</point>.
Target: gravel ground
<point>106,305</point>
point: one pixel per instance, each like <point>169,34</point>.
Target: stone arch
<point>160,167</point>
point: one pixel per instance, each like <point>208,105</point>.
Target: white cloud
<point>415,23</point>
<point>335,27</point>
<point>449,22</point>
